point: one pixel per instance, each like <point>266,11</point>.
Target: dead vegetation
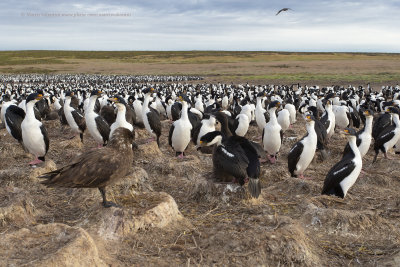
<point>174,214</point>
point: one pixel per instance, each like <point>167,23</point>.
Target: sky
<point>310,25</point>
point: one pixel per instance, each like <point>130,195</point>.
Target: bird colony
<point>213,118</point>
<point>209,145</point>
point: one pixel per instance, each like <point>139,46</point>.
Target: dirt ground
<point>204,223</point>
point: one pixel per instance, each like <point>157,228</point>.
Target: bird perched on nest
<point>234,157</point>
<point>344,174</point>
<point>96,168</point>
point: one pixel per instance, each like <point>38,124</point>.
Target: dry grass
<point>215,66</point>
<point>290,224</point>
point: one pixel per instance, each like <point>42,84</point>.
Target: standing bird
<point>302,153</point>
<point>364,137</point>
<point>74,117</point>
<point>120,121</point>
<point>96,124</point>
<point>34,134</point>
<point>96,168</point>
<point>272,135</point>
<point>234,157</point>
<point>389,136</point>
<point>179,133</point>
<point>151,118</point>
<point>344,174</point>
<point>283,9</point>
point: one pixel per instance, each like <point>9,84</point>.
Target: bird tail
<point>49,176</point>
<point>254,187</point>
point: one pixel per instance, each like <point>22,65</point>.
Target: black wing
<point>259,149</point>
<point>154,121</point>
<point>171,131</point>
<point>321,134</point>
<point>266,116</point>
<point>195,133</point>
<point>337,173</point>
<point>13,118</point>
<point>45,137</point>
<point>294,156</point>
<point>380,124</point>
<point>79,119</point>
<point>233,126</point>
<point>355,117</point>
<point>386,135</point>
<point>232,160</point>
<point>103,127</point>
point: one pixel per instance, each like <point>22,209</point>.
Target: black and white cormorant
<point>389,136</point>
<point>122,109</point>
<point>272,134</point>
<point>234,157</point>
<point>74,117</point>
<point>364,137</point>
<point>302,153</point>
<point>151,118</point>
<point>344,174</point>
<point>180,131</point>
<point>96,124</point>
<point>34,134</point>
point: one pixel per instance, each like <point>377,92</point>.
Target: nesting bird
<point>234,158</point>
<point>344,174</point>
<point>302,153</point>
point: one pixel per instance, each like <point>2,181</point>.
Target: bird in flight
<point>283,9</point>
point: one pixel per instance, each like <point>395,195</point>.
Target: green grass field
<point>255,66</point>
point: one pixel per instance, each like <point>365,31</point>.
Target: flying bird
<point>283,9</point>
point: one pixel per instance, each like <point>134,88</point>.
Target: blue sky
<point>358,26</point>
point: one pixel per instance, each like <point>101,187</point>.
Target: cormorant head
<point>309,118</point>
<point>69,94</point>
<point>261,94</point>
<point>34,97</point>
<point>184,98</point>
<point>211,138</point>
<point>368,113</point>
<point>393,110</point>
<point>274,104</point>
<point>350,132</point>
<point>148,90</point>
<point>118,99</point>
<point>96,93</point>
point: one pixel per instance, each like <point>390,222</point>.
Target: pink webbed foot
<point>290,126</point>
<point>99,146</point>
<point>301,176</point>
<point>151,139</point>
<point>181,156</point>
<point>263,160</point>
<point>272,159</point>
<point>36,161</point>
